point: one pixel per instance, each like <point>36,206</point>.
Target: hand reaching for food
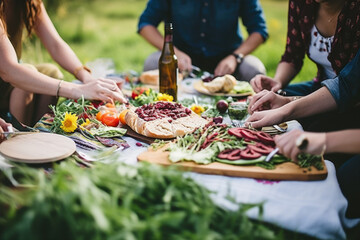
<point>261,82</point>
<point>266,100</point>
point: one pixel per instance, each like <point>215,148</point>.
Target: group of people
<point>207,35</point>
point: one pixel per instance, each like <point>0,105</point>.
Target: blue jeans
<point>348,176</point>
<point>302,89</point>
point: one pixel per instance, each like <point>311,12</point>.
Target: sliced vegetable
<point>265,138</point>
<point>249,134</point>
<point>235,132</point>
<point>234,155</point>
<point>260,148</point>
<point>248,153</point>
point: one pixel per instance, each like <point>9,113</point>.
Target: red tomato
<point>138,91</point>
<point>110,119</point>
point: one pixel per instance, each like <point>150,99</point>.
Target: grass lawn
<point>107,29</point>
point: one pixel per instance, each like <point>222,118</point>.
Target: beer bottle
<point>168,65</point>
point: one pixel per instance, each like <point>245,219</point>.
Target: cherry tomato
<point>99,115</point>
<point>138,91</point>
<point>122,116</point>
<point>110,119</point>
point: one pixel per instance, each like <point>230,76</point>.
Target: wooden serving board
<point>37,148</point>
<point>284,171</point>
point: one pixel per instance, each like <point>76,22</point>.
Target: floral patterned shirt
<point>301,19</point>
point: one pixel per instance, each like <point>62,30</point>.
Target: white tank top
<point>319,50</point>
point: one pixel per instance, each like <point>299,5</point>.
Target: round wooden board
<point>37,148</point>
<point>198,86</point>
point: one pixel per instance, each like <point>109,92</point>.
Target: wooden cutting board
<point>284,171</point>
<point>37,148</point>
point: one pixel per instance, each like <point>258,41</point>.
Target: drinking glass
<point>238,113</point>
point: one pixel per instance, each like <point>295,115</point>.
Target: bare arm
<point>228,64</point>
<point>250,44</point>
<point>57,47</point>
<point>318,102</point>
<point>32,81</point>
<point>285,72</point>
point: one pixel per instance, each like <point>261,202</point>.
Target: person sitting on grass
<point>207,35</point>
<point>328,31</point>
<point>19,82</point>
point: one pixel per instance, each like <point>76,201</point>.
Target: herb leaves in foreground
<point>117,201</point>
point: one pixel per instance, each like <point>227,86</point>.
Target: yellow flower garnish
<point>70,122</point>
<point>165,97</point>
<point>147,92</point>
<point>87,122</point>
<point>197,109</point>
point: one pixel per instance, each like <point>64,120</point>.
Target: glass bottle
<point>168,65</point>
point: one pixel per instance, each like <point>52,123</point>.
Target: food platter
<point>284,171</point>
<point>198,86</point>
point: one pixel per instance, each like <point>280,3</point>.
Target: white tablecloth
<point>316,208</point>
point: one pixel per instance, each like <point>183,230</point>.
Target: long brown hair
<point>27,10</point>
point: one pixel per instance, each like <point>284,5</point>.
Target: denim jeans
<point>302,89</point>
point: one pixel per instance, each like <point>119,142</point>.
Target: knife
<point>271,155</point>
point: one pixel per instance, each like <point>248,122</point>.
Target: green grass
<point>107,29</point>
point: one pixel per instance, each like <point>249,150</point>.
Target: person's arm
<point>59,50</point>
<point>32,81</point>
<point>318,102</point>
<point>345,141</point>
<point>229,63</point>
<point>345,88</point>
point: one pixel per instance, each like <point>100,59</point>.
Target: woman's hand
<point>266,100</point>
<point>265,118</point>
<point>287,143</point>
<point>4,127</point>
<point>184,61</point>
<point>102,89</point>
<point>261,82</point>
<point>226,66</point>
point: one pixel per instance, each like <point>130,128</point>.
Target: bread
<point>152,77</point>
<point>162,126</point>
<point>221,84</point>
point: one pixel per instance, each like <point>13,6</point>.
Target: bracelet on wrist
<point>78,69</point>
<point>58,88</point>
